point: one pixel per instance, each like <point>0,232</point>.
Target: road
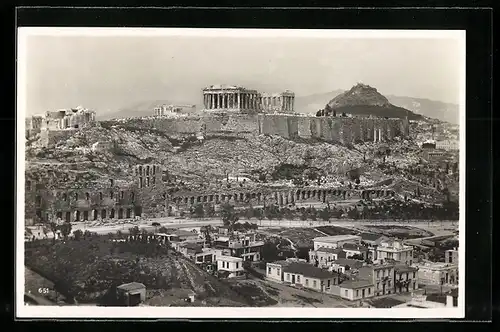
<point>437,229</point>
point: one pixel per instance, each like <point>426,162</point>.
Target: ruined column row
<point>281,103</point>
<point>282,198</point>
<point>231,100</point>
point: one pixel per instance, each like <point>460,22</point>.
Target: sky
<point>106,73</point>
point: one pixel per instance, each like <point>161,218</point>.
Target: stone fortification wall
<point>51,137</point>
<point>331,129</point>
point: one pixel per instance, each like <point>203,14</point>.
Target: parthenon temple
<point>239,99</point>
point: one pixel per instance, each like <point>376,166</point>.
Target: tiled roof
<point>351,262</point>
<point>352,284</point>
<point>131,286</point>
<point>282,263</point>
<point>405,268</point>
<point>308,270</point>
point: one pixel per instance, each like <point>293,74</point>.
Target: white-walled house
<point>230,264</point>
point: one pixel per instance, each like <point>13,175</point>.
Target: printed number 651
<point>43,290</point>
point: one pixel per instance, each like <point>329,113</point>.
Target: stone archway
<point>94,214</point>
<point>112,213</point>
<point>120,213</point>
<point>68,216</point>
<point>103,214</point>
<point>77,215</point>
<point>129,213</point>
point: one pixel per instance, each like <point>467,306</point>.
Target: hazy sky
<point>107,73</point>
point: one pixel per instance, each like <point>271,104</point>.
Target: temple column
<point>380,135</point>
<point>239,100</point>
<point>374,134</point>
<point>217,100</point>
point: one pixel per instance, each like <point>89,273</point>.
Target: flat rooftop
<point>229,258</point>
<point>336,238</point>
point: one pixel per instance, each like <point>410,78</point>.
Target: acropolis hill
<point>92,167</point>
<point>233,110</point>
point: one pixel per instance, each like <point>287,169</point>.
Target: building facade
<point>381,276</point>
<point>233,266</point>
<point>432,273</point>
<point>356,290</point>
<point>405,278</point>
<point>395,250</point>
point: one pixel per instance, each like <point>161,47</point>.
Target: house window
<point>346,293</point>
<point>307,282</point>
<point>279,271</point>
<point>298,278</point>
<point>314,283</point>
<point>378,274</point>
<point>328,283</point>
<point>237,265</point>
<point>378,285</point>
<point>369,291</point>
<point>288,276</point>
<point>357,292</point>
<point>413,275</point>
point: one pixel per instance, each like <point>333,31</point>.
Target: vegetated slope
<point>88,269</point>
<point>363,99</point>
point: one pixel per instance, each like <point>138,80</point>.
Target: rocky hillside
<point>363,99</point>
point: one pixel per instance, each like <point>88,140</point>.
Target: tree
<point>209,211</point>
<point>198,211</point>
<point>65,229</point>
<point>205,230</point>
<point>228,215</point>
<point>77,234</point>
<point>249,213</point>
<point>325,214</point>
<point>53,228</point>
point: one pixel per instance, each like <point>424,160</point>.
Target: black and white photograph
<point>180,173</point>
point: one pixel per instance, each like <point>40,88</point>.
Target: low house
<point>372,241</point>
<point>309,276</point>
<point>356,289</point>
<point>323,257</point>
<point>405,278</point>
<point>131,294</point>
<point>336,241</point>
<point>233,266</point>
<point>356,250</point>
<point>342,265</point>
<point>274,270</point>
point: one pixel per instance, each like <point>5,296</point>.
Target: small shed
<point>131,294</point>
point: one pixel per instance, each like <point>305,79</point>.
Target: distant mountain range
<point>428,108</point>
<point>311,104</point>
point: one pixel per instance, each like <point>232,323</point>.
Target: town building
<point>228,98</point>
<point>437,273</point>
<point>405,278</point>
<point>420,300</point>
<point>356,290</point>
<point>336,241</point>
<point>381,275</point>
<point>240,245</point>
<point>451,256</point>
<point>102,146</point>
<point>394,250</point>
<point>372,241</point>
<point>356,250</point>
<point>342,265</point>
<point>448,145</point>
<point>131,294</point>
<point>302,274</point>
<point>232,266</point>
<point>324,257</point>
<point>189,249</point>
